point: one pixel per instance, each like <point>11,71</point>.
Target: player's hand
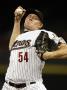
<point>19,13</point>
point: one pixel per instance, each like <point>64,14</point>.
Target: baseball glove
<point>43,43</point>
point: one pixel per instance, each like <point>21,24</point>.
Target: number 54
<point>22,56</point>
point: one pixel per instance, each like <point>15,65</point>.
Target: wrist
<point>47,55</point>
<point>42,57</point>
<point>16,19</point>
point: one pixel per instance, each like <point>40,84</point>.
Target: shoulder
<point>28,35</point>
<point>36,33</point>
<point>50,33</point>
<point>54,36</point>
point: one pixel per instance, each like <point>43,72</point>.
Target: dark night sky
<point>54,12</point>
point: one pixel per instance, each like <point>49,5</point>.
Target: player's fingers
<point>19,12</point>
<point>22,8</point>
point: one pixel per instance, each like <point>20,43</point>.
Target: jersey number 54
<point>22,56</point>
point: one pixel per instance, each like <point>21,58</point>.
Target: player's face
<point>32,22</point>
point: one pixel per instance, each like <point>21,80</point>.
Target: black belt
<point>22,85</point>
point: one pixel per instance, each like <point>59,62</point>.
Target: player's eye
<point>30,19</point>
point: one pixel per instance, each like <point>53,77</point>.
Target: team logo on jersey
<point>21,44</point>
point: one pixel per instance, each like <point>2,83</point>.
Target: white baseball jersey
<point>25,65</point>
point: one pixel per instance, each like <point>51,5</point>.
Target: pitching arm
<point>19,13</point>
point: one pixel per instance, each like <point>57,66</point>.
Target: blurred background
<point>55,71</point>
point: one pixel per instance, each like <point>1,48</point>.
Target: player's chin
<point>30,28</point>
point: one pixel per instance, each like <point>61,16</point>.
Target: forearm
<point>19,13</point>
<point>58,54</point>
<point>15,33</point>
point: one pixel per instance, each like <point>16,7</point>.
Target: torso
<point>25,65</point>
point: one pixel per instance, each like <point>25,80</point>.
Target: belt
<point>22,85</point>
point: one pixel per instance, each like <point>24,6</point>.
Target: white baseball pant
<point>36,86</point>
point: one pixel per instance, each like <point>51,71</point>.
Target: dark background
<point>55,20</point>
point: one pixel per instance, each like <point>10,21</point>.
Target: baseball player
<point>25,68</point>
